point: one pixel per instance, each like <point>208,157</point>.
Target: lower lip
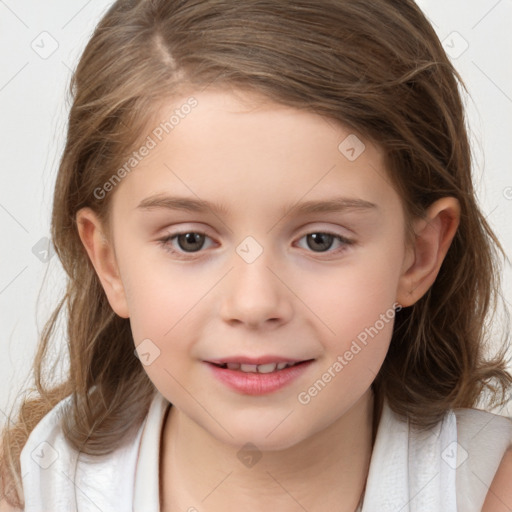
<point>258,383</point>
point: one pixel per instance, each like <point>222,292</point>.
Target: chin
<point>265,435</point>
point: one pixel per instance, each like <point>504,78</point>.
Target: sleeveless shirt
<point>447,468</point>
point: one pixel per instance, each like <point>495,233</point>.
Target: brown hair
<point>377,67</point>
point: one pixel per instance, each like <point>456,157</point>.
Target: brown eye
<point>321,241</point>
<point>186,242</point>
<point>190,242</point>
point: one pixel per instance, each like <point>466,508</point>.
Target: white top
<point>447,468</point>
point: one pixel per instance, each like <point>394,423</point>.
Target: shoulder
<point>485,465</point>
<point>44,453</point>
<point>478,423</point>
<point>5,484</point>
<point>48,423</point>
<point>49,462</point>
<point>5,507</point>
<point>48,428</point>
<point>499,497</point>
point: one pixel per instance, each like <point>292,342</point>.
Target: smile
<point>256,368</point>
<point>258,379</point>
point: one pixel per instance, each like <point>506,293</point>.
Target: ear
<point>433,235</point>
<point>103,258</point>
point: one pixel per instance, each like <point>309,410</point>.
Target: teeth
<point>267,368</point>
<point>248,367</point>
<point>258,368</point>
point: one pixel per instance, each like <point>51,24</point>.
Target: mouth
<point>258,376</point>
<point>259,368</point>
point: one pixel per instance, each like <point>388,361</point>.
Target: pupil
<point>190,238</point>
<point>323,239</point>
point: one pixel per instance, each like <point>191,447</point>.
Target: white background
<point>34,105</point>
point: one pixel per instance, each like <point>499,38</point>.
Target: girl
<point>321,347</point>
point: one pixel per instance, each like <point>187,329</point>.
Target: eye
<point>191,242</point>
<point>188,242</point>
<point>323,241</point>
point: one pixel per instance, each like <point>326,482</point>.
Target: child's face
<point>258,285</point>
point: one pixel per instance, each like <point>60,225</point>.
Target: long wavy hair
<point>377,67</point>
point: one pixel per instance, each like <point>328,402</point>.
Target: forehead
<point>243,151</point>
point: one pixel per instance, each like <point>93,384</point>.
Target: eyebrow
<point>334,204</point>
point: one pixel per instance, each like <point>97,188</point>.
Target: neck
<point>326,471</point>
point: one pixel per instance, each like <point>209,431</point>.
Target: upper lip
<point>256,360</point>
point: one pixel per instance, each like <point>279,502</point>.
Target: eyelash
<point>165,243</point>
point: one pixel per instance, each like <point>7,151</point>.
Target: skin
<point>258,158</point>
<point>499,497</point>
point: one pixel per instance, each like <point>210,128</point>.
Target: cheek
<point>161,310</point>
<point>360,328</point>
<point>164,324</point>
<point>359,311</point>
<point>355,304</point>
<point>354,296</point>
<point>165,304</point>
<point>159,293</point>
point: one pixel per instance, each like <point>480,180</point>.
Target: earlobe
<point>433,236</point>
<point>103,259</point>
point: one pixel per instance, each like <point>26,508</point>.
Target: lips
<point>256,368</point>
<point>262,364</point>
<point>241,359</point>
<point>258,379</point>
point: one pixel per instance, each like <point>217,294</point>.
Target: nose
<point>255,295</point>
